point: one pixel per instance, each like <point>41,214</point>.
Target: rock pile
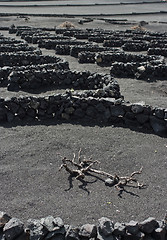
<point>53,228</point>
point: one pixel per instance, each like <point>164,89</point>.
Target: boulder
<point>159,113</point>
<point>72,233</point>
<point>13,228</point>
<point>69,110</point>
<point>148,225</point>
<point>10,116</point>
<point>100,107</point>
<point>119,229</point>
<point>55,226</point>
<point>52,224</point>
<point>4,218</point>
<point>51,236</point>
<point>88,231</point>
<point>14,107</point>
<point>105,226</point>
<point>117,111</point>
<point>159,126</point>
<point>110,182</point>
<point>13,86</point>
<point>132,227</point>
<point>2,114</point>
<point>2,236</point>
<point>137,107</point>
<point>160,233</point>
<point>79,113</point>
<point>91,112</point>
<point>37,230</point>
<point>142,118</point>
<point>138,236</point>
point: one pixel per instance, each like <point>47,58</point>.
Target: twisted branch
<point>83,167</point>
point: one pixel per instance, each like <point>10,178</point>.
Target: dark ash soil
<point>30,156</point>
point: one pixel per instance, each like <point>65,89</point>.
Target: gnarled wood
<point>82,167</point>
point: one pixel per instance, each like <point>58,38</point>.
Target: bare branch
<point>85,166</point>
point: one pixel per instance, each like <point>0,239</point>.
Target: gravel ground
<point>30,156</point>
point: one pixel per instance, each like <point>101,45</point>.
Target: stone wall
<point>51,44</point>
<point>143,71</point>
<point>7,70</point>
<point>158,51</point>
<point>23,59</point>
<point>10,41</point>
<point>75,50</point>
<point>107,59</point>
<point>53,228</point>
<point>96,106</point>
<point>135,46</point>
<point>36,79</point>
<point>17,48</point>
<point>86,57</point>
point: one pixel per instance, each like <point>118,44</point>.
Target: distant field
<point>46,8</point>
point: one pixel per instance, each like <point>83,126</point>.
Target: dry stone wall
<point>97,99</point>
<point>23,59</point>
<point>29,79</point>
<point>94,106</point>
<point>158,51</point>
<point>7,70</point>
<point>51,44</point>
<point>16,48</point>
<point>53,228</point>
<point>75,50</point>
<point>107,59</point>
<point>144,71</point>
<point>148,66</point>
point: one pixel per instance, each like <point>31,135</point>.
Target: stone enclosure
<point>86,96</point>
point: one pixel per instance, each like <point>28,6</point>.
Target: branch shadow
<point>122,190</point>
<point>84,185</point>
<point>70,180</point>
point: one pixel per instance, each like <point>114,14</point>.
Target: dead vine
<point>82,167</point>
